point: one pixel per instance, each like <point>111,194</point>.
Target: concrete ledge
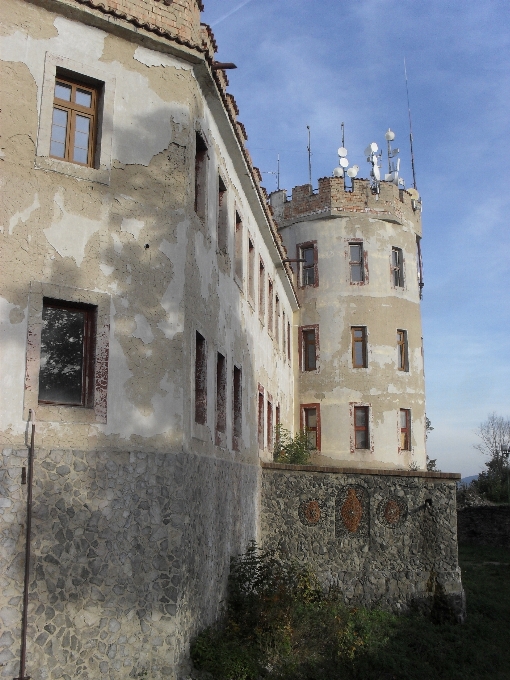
<point>360,471</point>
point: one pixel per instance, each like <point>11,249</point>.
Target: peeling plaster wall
<point>336,305</point>
<point>144,496</point>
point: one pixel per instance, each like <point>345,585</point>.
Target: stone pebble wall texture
<point>485,525</point>
<point>130,558</point>
<point>376,536</point>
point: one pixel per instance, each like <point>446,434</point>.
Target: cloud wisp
<point>228,14</point>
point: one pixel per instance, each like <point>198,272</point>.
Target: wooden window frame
<point>361,262</point>
<point>262,290</point>
<point>304,333</point>
<point>88,350</point>
<point>362,428</point>
<point>251,270</point>
<point>270,306</point>
<point>284,334</point>
<point>301,277</point>
<point>260,418</point>
<point>73,109</point>
<point>289,344</point>
<point>397,269</point>
<point>364,343</point>
<point>307,407</point>
<point>238,249</point>
<point>277,322</point>
<point>200,379</point>
<point>237,408</point>
<point>269,422</point>
<point>402,351</point>
<point>405,432</point>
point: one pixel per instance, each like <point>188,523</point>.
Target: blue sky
<point>323,62</point>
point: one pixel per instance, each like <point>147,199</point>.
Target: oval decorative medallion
<point>392,512</point>
<point>351,512</point>
<point>310,513</point>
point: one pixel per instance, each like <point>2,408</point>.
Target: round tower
<point>358,359</point>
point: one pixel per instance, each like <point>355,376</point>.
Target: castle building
<point>154,333</point>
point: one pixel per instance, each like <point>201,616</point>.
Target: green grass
<point>278,631</point>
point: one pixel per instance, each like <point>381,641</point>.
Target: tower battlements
<point>333,200</point>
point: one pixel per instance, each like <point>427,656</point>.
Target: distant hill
<point>466,481</point>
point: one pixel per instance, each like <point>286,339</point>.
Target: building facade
<point>153,332</point>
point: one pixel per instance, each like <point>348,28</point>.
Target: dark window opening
<point>277,320</point>
<point>262,292</point>
<point>309,349</point>
<point>66,373</point>
<point>402,351</point>
<point>74,122</point>
<point>288,342</point>
<point>356,262</point>
<point>361,433</point>
<point>311,425</point>
<point>261,418</point>
<point>200,176</point>
<point>251,270</point>
<point>359,346</point>
<point>397,267</point>
<point>221,394</point>
<point>200,380</point>
<point>270,432</point>
<point>405,429</point>
<point>222,217</point>
<point>308,266</point>
<point>238,267</point>
<point>420,266</point>
<point>270,309</point>
<point>284,334</point>
<point>237,415</point>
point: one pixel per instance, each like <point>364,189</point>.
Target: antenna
<point>278,173</point>
<point>309,157</point>
<point>410,126</point>
<point>343,135</point>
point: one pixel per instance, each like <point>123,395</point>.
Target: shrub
<point>288,449</point>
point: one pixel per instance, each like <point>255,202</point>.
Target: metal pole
<point>309,157</point>
<point>410,126</point>
<point>23,653</point>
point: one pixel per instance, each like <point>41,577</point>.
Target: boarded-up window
<point>66,373</point>
<point>200,380</point>
<point>237,404</point>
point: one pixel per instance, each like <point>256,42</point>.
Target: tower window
<point>361,433</point>
<point>402,351</point>
<point>359,346</point>
<point>308,270</point>
<point>200,380</point>
<point>74,122</point>
<point>405,429</point>
<point>397,267</point>
<point>356,262</point>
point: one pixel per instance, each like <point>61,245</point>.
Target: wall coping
<point>360,471</point>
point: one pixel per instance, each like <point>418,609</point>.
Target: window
<point>269,422</point>
<point>420,266</point>
<point>402,352</point>
<point>200,380</point>
<point>251,271</point>
<point>308,268</point>
<point>238,237</point>
<point>288,342</point>
<point>237,409</point>
<point>397,267</point>
<point>221,397</point>
<point>405,429</point>
<point>262,291</point>
<point>361,433</point>
<point>222,216</point>
<point>284,334</point>
<point>260,418</point>
<point>66,374</point>
<point>359,346</point>
<point>277,320</point>
<point>74,122</point>
<point>200,176</point>
<point>309,342</point>
<point>356,268</point>
<point>310,422</point>
<point>270,310</point>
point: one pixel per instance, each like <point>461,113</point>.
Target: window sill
<point>100,175</point>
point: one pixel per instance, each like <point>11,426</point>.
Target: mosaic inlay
<point>392,512</point>
<point>352,512</point>
<point>310,513</point>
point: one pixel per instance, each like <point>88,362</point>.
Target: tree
<point>494,434</point>
<point>431,462</point>
<point>289,449</point>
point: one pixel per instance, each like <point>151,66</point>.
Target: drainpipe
<point>23,653</point>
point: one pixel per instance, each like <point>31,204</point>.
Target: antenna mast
<point>309,157</point>
<point>278,174</point>
<point>410,126</point>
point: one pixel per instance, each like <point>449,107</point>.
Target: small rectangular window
<point>356,268</point>
<point>405,429</point>
<point>200,380</point>
<point>238,267</point>
<point>402,351</point>
<point>222,217</point>
<point>251,271</point>
<point>270,309</point>
<point>397,267</point>
<point>310,422</point>
<point>277,321</point>
<point>420,266</point>
<point>359,346</point>
<point>289,346</point>
<point>308,268</point>
<point>74,122</point>
<point>66,374</point>
<point>309,348</point>
<point>237,408</point>
<point>269,421</point>
<point>221,395</point>
<point>200,176</point>
<point>361,433</point>
<point>284,334</point>
<point>262,291</point>
<point>261,417</point>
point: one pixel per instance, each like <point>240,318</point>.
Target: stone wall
<point>130,556</point>
<point>386,538</point>
<point>485,525</point>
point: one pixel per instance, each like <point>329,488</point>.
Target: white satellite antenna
<point>342,168</point>
<point>393,167</point>
<point>373,157</point>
